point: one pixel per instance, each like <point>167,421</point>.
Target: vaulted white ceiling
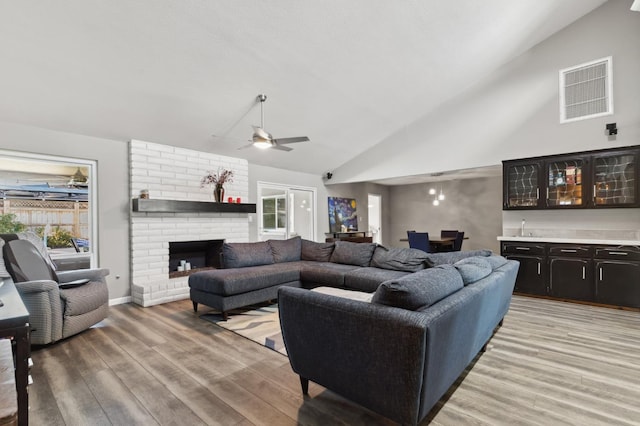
<point>345,73</point>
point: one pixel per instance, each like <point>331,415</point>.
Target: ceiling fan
<point>263,139</point>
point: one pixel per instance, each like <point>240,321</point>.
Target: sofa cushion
<point>349,253</point>
<point>319,252</point>
<point>399,259</point>
<point>324,273</point>
<point>495,261</point>
<point>368,279</point>
<point>347,294</point>
<point>286,250</point>
<point>473,269</point>
<point>227,282</point>
<point>239,255</point>
<point>420,289</point>
<point>449,258</point>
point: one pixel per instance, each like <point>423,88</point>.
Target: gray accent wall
<point>471,205</point>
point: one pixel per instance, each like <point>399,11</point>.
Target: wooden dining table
<point>440,243</point>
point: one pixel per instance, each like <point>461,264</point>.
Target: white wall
<point>113,189</point>
<point>514,112</point>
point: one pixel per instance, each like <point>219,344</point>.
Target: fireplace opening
<point>199,255</point>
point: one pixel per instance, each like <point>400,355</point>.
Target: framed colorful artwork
<point>343,215</point>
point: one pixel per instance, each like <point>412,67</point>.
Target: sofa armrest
<point>95,274</point>
<point>42,300</point>
<point>39,286</point>
<point>372,354</point>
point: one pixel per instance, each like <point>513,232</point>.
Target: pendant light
<point>436,197</point>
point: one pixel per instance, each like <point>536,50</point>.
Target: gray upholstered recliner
<point>60,304</point>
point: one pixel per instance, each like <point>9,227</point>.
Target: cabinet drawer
<point>523,248</point>
<point>570,251</point>
<point>618,253</point>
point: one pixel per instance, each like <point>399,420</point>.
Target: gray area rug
<point>259,323</point>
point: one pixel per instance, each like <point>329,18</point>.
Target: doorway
<point>375,217</point>
<point>286,211</point>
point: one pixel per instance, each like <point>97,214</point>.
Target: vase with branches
<point>218,180</point>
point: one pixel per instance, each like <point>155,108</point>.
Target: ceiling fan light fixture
<point>262,144</point>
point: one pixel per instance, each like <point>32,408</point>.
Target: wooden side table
<point>14,324</point>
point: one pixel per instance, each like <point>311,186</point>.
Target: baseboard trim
<point>120,301</point>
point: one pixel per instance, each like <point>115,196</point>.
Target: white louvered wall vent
<point>586,91</point>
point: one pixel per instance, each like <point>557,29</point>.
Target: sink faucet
<point>522,230</point>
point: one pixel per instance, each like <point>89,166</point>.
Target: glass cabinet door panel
<point>522,190</point>
<point>614,180</point>
<point>564,184</point>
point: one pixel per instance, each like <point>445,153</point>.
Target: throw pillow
<point>239,255</point>
<point>473,269</point>
<point>286,250</point>
<point>399,259</point>
<point>435,259</point>
<point>419,290</point>
<point>319,252</point>
<point>349,253</point>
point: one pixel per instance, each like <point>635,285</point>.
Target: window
<point>274,213</point>
<point>286,211</point>
<point>586,91</point>
<point>53,197</point>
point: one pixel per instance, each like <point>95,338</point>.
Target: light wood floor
<point>552,363</point>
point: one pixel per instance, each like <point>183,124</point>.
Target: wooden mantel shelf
<point>148,205</point>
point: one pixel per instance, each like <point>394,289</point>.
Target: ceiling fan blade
<point>284,141</point>
<point>246,146</point>
<point>281,148</point>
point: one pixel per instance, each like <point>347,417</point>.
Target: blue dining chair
<point>419,240</point>
<point>448,233</point>
<point>457,244</point>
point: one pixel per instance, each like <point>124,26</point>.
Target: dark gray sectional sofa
<point>429,314</point>
<point>253,272</point>
<point>398,354</point>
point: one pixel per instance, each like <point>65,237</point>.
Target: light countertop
<point>612,242</point>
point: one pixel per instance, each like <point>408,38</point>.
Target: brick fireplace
<point>173,173</point>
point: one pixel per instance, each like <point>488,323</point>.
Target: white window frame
<point>286,188</point>
<point>92,165</point>
<point>276,198</point>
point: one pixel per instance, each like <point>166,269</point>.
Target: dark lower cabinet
<point>532,275</point>
<point>591,273</point>
<point>571,278</point>
<point>618,283</point>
